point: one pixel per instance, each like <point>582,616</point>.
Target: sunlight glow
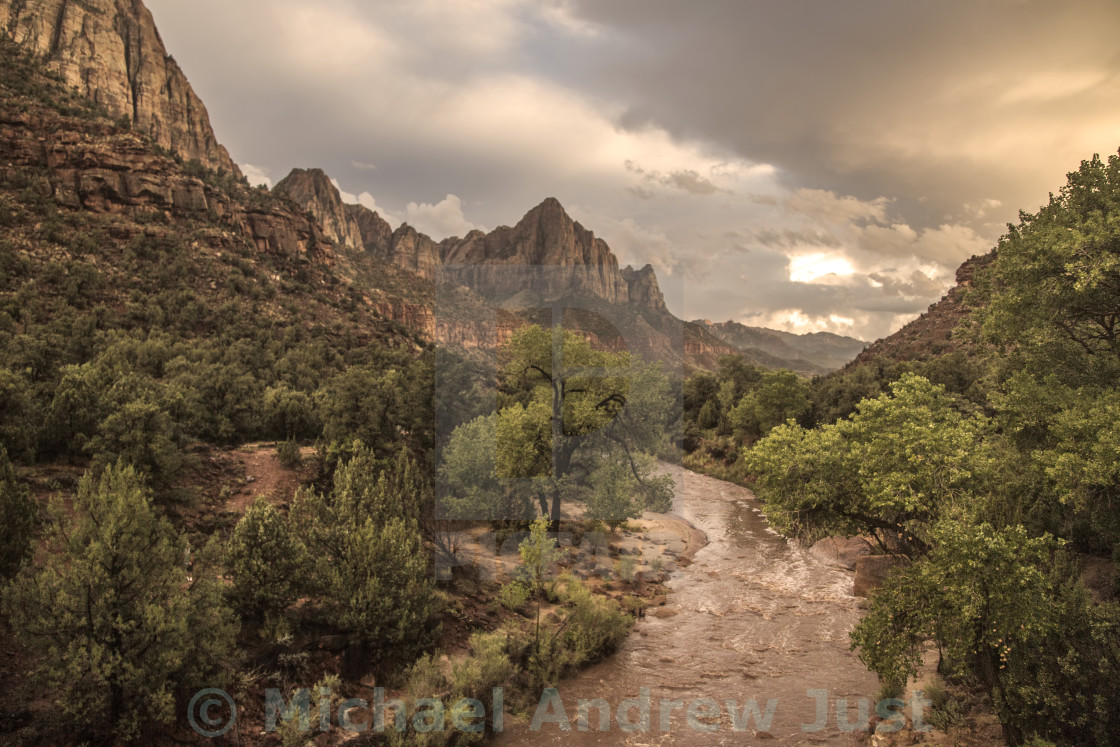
<point>812,267</point>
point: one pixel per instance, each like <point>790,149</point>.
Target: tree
<point>564,409</point>
<point>266,562</point>
<point>892,470</point>
<point>1054,286</point>
<point>539,555</point>
<point>369,566</point>
<point>1051,302</point>
<point>1006,608</point>
<point>121,630</point>
<point>18,517</point>
<point>780,396</point>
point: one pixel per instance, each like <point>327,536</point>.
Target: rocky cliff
<point>312,190</point>
<point>376,233</point>
<point>577,261</point>
<point>111,53</point>
<point>642,288</point>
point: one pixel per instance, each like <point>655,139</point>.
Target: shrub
<point>265,561</point>
<point>18,514</point>
<point>288,453</point>
<point>513,595</point>
<point>627,568</point>
<point>121,632</point>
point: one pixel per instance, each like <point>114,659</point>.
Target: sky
<point>806,165</point>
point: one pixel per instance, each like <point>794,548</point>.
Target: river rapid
<point>753,617</point>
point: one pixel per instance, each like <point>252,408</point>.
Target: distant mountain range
<point>822,349</point>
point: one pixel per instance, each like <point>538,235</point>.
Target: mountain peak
<point>314,191</point>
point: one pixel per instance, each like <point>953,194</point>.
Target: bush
<point>513,596</point>
<point>121,632</point>
<point>371,568</point>
<point>594,627</point>
<point>288,453</point>
<point>18,514</point>
<point>265,560</point>
<point>627,569</point>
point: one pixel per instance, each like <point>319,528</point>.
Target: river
<point>753,617</point>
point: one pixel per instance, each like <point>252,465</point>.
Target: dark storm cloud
<point>945,102</point>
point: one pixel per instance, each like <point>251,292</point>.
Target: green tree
<point>893,469</point>
<point>266,562</point>
<point>780,395</point>
<point>564,409</point>
<point>121,630</point>
<point>18,517</point>
<point>368,565</point>
<point>1054,287</point>
<point>1007,609</point>
<point>539,555</point>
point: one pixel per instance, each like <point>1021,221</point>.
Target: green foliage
<point>780,396</point>
<point>539,555</point>
<point>488,666</point>
<point>1006,608</point>
<point>368,563</point>
<point>288,453</point>
<point>122,633</point>
<point>513,595</point>
<point>472,486</point>
<point>561,419</point>
<point>1054,288</point>
<point>901,462</point>
<point>594,627</point>
<point>18,518</point>
<point>627,569</point>
<point>266,562</point>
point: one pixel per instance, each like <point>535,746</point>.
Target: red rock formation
<point>111,52</point>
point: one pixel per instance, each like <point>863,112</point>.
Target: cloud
<point>825,206</point>
<point>441,220</point>
<point>686,180</point>
<point>721,146</point>
<point>367,200</point>
<point>256,174</point>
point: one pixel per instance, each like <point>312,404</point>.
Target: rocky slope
<point>577,261</point>
<point>932,332</point>
<point>544,257</point>
<point>97,166</point>
<point>111,53</point>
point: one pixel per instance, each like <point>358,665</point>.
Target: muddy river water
<point>755,639</point>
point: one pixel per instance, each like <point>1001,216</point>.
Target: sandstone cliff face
<point>643,289</point>
<point>313,191</point>
<point>376,233</point>
<point>414,251</point>
<point>97,166</point>
<point>111,52</point>
<point>577,261</point>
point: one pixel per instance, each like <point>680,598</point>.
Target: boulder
<point>842,552</point>
<point>872,570</point>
